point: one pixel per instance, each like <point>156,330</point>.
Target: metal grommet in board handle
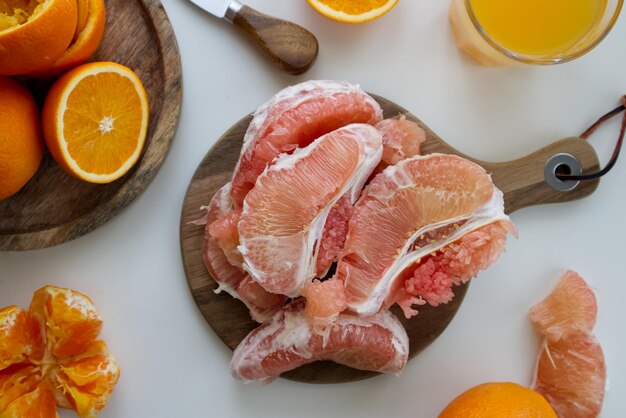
<point>562,160</point>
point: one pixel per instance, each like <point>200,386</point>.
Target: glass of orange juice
<point>521,32</point>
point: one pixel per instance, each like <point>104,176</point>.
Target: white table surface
<point>173,365</point>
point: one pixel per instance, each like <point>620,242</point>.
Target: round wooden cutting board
<point>522,182</point>
<point>55,207</point>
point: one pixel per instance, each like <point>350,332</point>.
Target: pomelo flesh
<point>284,215</point>
<point>325,301</point>
<point>377,343</point>
<point>571,375</point>
<point>571,371</point>
<point>334,235</point>
<point>262,304</point>
<point>294,118</point>
<point>402,139</point>
<point>408,212</point>
<point>570,308</point>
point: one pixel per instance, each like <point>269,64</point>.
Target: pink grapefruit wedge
<point>408,214</point>
<point>262,304</point>
<point>284,215</point>
<point>377,343</point>
<point>571,371</point>
<point>294,118</point>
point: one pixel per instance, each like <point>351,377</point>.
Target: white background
<point>172,363</point>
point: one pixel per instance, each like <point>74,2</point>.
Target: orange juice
<point>538,27</point>
<point>519,32</point>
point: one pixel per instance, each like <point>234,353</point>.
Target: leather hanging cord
<point>616,151</point>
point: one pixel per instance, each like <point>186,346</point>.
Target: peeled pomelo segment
<point>224,230</point>
<point>409,211</point>
<point>401,140</point>
<point>284,215</point>
<point>377,343</point>
<point>431,279</point>
<point>334,235</point>
<point>324,301</point>
<point>570,308</point>
<point>294,118</point>
<point>262,304</point>
<point>571,375</point>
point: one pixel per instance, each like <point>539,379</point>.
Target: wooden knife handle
<point>291,47</point>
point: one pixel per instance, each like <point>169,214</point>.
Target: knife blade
<point>217,8</point>
<point>291,47</point>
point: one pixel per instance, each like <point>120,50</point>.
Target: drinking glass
<point>475,39</point>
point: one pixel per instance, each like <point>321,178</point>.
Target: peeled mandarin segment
<point>39,403</point>
<point>284,215</point>
<point>95,121</point>
<point>87,380</point>
<point>294,118</point>
<point>230,278</point>
<point>378,343</point>
<point>571,374</point>
<point>72,323</point>
<point>350,11</point>
<point>409,211</point>
<point>570,308</point>
<point>20,337</point>
<point>16,381</point>
<point>34,33</point>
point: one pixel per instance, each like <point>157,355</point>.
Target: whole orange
<point>21,145</point>
<point>499,400</point>
<point>34,33</point>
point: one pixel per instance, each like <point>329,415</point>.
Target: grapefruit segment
<point>294,118</point>
<point>284,215</point>
<point>409,212</point>
<point>571,375</point>
<point>570,308</point>
<point>262,304</point>
<point>378,343</point>
<point>324,302</point>
<point>402,139</point>
<point>571,372</point>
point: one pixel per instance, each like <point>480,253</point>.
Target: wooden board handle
<point>523,181</point>
<point>293,48</point>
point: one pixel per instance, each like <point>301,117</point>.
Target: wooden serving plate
<point>522,182</point>
<point>55,207</point>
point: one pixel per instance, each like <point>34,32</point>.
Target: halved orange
<point>95,121</point>
<point>34,33</point>
<point>352,11</point>
<point>89,32</point>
